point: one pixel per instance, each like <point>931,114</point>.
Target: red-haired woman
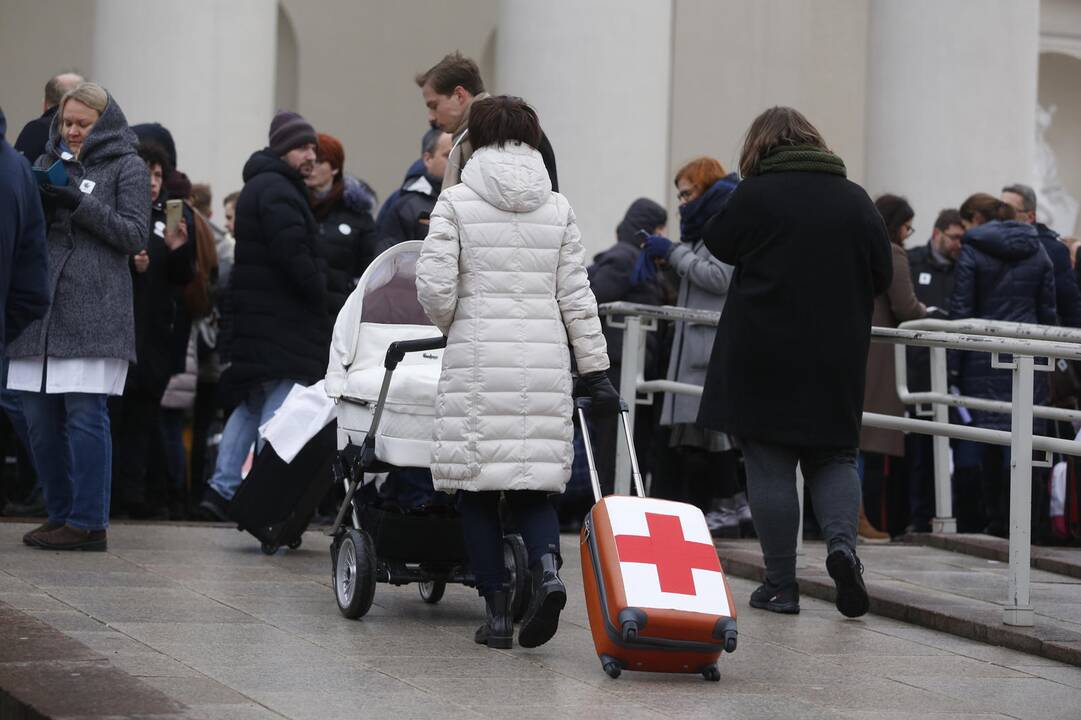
<point>706,467</point>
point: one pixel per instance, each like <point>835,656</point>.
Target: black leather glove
<point>62,196</point>
<point>600,389</point>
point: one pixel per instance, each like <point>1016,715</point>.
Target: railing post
<point>632,359</point>
<point>1018,609</point>
<point>944,521</point>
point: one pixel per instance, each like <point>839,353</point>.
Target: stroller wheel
<point>268,549</point>
<point>432,592</point>
<point>295,544</point>
<point>516,560</point>
<point>354,574</point>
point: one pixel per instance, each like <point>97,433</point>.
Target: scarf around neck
<point>693,215</point>
<point>801,158</point>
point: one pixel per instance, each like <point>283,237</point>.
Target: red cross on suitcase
<point>655,591</point>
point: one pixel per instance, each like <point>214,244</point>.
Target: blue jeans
<point>241,430</point>
<point>73,454</point>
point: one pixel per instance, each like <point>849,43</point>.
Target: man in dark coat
<point>24,291</point>
<point>931,266</point>
<point>787,373</point>
<point>32,139</point>
<point>279,327</point>
<point>407,217</point>
<point>1067,292</point>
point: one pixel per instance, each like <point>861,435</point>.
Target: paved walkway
<point>194,622</point>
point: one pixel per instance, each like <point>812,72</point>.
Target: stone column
<point>599,75</point>
<point>203,69</point>
<point>951,100</point>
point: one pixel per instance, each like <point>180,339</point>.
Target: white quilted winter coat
<point>501,273</point>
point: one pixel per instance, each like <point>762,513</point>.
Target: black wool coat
<point>788,366</point>
<point>278,326</point>
<point>346,242</point>
<point>933,283</point>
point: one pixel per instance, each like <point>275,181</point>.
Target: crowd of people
<point>144,345</point>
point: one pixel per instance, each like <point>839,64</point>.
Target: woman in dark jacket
<point>882,451</point>
<point>1003,274</point>
<point>158,273</point>
<point>70,361</point>
<point>343,209</point>
<point>786,377</point>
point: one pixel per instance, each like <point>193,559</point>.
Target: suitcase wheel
<point>295,544</point>
<point>268,549</point>
<point>711,673</point>
<point>611,666</point>
<point>354,573</point>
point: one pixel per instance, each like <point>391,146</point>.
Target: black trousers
<point>534,516</point>
<point>134,421</point>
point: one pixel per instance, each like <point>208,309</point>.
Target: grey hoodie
<point>89,281</point>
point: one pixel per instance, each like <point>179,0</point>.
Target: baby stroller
<point>385,361</point>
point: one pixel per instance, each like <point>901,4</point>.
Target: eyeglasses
<point>907,230</point>
<point>685,195</point>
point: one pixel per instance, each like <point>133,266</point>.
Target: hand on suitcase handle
<point>586,403</point>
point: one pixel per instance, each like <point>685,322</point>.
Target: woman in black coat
<point>343,208</point>
<point>786,377</point>
<point>1003,273</point>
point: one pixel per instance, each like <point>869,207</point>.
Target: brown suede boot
<point>69,538</point>
<point>31,538</point>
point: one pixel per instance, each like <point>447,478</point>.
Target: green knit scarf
<point>801,158</point>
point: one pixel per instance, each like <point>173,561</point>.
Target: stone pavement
<point>962,594</point>
<point>194,622</point>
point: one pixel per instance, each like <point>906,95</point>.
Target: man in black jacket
<point>932,277</point>
<point>407,218</point>
<point>31,141</point>
<point>279,325</point>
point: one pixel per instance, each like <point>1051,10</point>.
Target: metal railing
<point>1024,344</point>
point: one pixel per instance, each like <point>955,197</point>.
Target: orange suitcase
<point>657,597</point>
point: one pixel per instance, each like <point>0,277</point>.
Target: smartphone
<point>173,211</point>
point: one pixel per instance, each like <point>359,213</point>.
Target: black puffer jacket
<point>346,243</point>
<point>1003,274</point>
<point>279,327</point>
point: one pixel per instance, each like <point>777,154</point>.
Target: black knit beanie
<point>289,130</point>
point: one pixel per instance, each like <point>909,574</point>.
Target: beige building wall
<point>356,62</point>
<point>735,58</point>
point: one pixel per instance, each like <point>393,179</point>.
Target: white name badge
<point>66,156</point>
<point>925,278</point>
<point>87,186</point>
<point>344,229</point>
<point>159,229</point>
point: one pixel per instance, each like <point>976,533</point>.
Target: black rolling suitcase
<point>276,501</point>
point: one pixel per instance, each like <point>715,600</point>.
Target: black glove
<point>600,389</point>
<point>64,196</point>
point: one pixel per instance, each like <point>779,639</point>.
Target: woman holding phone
<point>70,361</point>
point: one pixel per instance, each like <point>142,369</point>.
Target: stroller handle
<point>397,350</point>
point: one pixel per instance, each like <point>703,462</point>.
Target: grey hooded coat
<point>89,281</point>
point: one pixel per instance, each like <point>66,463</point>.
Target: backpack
<point>199,293</point>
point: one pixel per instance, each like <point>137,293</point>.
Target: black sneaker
<point>777,598</point>
<point>213,506</point>
<point>847,573</point>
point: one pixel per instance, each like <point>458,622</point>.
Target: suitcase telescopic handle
<point>583,404</point>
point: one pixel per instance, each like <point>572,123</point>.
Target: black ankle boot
<point>498,630</point>
<point>549,596</point>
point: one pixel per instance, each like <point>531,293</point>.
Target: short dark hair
<point>1028,195</point>
<point>231,198</point>
<point>895,212</point>
<point>502,119</point>
<point>946,218</point>
<point>450,72</point>
<point>430,140</point>
<point>201,197</point>
<point>987,207</point>
<point>154,154</point>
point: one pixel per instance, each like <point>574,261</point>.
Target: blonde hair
<point>776,127</point>
<point>90,94</point>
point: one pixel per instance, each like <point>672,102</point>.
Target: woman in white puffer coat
<point>501,273</point>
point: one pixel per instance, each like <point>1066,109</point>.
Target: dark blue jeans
<point>11,404</point>
<point>537,522</point>
<point>73,454</point>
